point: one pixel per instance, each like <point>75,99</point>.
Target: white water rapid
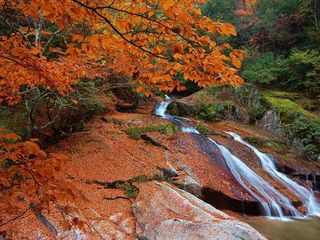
<point>268,165</point>
<point>272,201</point>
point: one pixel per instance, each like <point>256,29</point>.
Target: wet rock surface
<point>209,166</point>
<point>180,215</point>
<point>105,153</point>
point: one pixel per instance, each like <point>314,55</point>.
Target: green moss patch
<point>136,132</point>
<point>203,129</point>
<point>280,94</point>
<point>287,108</point>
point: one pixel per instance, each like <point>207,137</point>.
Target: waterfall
<point>161,109</point>
<point>272,201</point>
<point>268,165</point>
<point>161,112</point>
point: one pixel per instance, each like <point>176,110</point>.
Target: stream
<point>299,229</point>
<point>282,215</point>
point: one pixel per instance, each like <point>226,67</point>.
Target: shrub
<point>301,71</point>
<point>129,190</point>
<point>29,178</point>
<point>13,119</point>
<point>262,69</point>
<point>256,111</point>
<point>93,105</point>
<point>90,97</point>
<point>308,132</point>
<point>221,10</point>
<point>44,114</point>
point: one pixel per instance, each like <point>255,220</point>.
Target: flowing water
<point>272,201</point>
<point>267,163</point>
<point>299,229</point>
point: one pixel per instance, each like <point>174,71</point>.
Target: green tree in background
<point>221,10</point>
<point>310,9</point>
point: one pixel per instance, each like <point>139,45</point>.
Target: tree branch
<point>16,218</point>
<point>117,31</point>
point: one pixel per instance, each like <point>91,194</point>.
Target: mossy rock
<point>288,109</point>
<point>281,94</point>
<point>276,111</point>
<point>203,129</point>
<point>136,132</point>
<point>270,145</point>
<point>302,128</point>
<point>255,141</point>
<point>177,108</point>
<point>226,110</point>
<point>234,102</point>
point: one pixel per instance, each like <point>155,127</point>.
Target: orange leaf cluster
<point>21,67</point>
<point>31,179</point>
<point>152,41</point>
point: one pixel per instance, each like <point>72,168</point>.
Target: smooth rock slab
<point>165,212</point>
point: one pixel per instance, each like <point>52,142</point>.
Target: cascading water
<point>273,202</point>
<point>161,109</point>
<point>268,164</point>
<point>161,112</point>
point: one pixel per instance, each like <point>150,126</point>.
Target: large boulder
<point>271,121</point>
<point>177,108</point>
<point>164,212</point>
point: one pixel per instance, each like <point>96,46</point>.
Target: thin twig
<point>16,218</point>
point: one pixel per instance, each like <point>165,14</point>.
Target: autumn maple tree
<point>46,46</point>
<point>150,41</point>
